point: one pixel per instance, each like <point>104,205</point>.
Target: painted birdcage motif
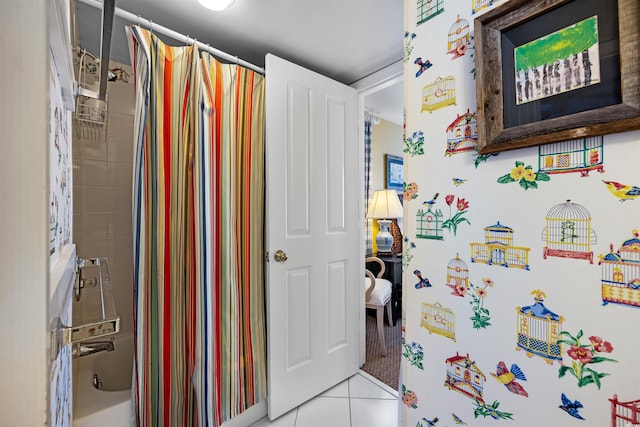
<point>621,273</point>
<point>577,155</point>
<point>462,134</point>
<point>624,414</point>
<point>498,248</point>
<point>478,5</point>
<point>438,94</point>
<point>465,377</point>
<point>429,224</point>
<point>539,329</point>
<point>457,273</point>
<point>427,9</point>
<point>459,36</point>
<point>568,232</point>
<point>438,320</point>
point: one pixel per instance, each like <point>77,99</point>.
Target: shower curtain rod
<point>175,35</point>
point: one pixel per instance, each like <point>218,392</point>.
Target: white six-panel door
<point>314,297</point>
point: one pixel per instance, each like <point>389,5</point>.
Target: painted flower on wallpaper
<point>408,44</point>
<point>414,354</point>
<point>414,145</point>
<point>410,191</point>
<point>481,315</point>
<point>409,397</point>
<point>462,205</point>
<point>491,410</point>
<point>481,158</point>
<point>524,175</point>
<point>583,357</point>
<point>406,252</point>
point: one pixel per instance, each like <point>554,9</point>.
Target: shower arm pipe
<point>105,46</point>
<point>174,35</point>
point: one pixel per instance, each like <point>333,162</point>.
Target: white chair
<point>378,296</point>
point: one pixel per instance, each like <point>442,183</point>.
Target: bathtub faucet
<point>86,348</point>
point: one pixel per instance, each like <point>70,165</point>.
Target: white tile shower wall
<point>102,194</point>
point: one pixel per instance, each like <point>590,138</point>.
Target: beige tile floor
<point>360,401</point>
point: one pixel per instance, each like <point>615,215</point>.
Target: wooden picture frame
<point>503,125</point>
<point>394,179</point>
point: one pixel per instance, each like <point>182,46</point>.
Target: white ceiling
<point>345,40</point>
<point>387,103</point>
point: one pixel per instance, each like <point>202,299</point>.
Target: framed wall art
<point>555,71</point>
<point>394,172</point>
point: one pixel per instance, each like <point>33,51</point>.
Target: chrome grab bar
<point>103,321</point>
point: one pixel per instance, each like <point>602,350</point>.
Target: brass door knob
<point>280,256</point>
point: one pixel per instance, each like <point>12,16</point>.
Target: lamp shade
<point>216,4</point>
<point>385,205</point>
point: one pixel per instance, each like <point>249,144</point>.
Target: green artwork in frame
<point>559,62</point>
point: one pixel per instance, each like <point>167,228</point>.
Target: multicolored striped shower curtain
<point>198,214</point>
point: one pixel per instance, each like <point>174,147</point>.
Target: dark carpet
<point>386,369</point>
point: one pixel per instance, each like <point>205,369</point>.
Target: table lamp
<point>384,207</point>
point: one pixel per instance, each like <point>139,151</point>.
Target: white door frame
<point>24,216</point>
<point>381,79</point>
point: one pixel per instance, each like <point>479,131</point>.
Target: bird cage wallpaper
<point>457,273</point>
<point>498,248</point>
<point>568,232</point>
<point>538,330</point>
<point>459,37</point>
<point>578,155</point>
<point>462,134</point>
<point>478,5</point>
<point>438,94</point>
<point>428,9</point>
<point>429,223</point>
<point>438,320</point>
<point>465,377</point>
<point>624,414</point>
<point>621,273</point>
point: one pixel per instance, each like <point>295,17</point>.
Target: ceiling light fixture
<point>216,4</point>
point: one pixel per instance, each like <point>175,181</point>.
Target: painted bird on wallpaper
<point>570,407</point>
<point>424,282</point>
<point>432,201</point>
<point>458,181</point>
<point>423,66</point>
<point>621,191</point>
<point>508,377</point>
<point>457,419</point>
<point>432,422</point>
